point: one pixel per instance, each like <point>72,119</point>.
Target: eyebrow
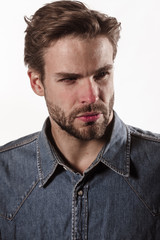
<point>77,75</point>
<point>67,75</point>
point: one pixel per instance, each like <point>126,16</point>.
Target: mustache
<point>98,107</point>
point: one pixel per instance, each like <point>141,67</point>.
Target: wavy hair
<point>59,19</point>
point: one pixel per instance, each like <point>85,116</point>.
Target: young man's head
<point>69,51</point>
<point>59,19</point>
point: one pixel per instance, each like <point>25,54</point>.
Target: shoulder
<point>144,145</point>
<point>19,154</point>
<point>21,142</point>
<point>144,167</point>
<point>18,173</point>
<point>143,134</point>
<point>18,159</point>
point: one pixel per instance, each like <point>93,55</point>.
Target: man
<point>86,175</point>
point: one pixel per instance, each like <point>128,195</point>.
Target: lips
<point>89,117</point>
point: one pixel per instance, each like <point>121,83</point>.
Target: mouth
<point>89,116</point>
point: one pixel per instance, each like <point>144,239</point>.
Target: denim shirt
<point>117,197</point>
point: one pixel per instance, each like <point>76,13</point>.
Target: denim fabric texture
<point>117,197</point>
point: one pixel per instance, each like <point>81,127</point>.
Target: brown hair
<point>59,19</point>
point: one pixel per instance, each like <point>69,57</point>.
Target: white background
<point>137,66</point>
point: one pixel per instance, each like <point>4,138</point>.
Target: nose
<point>88,92</point>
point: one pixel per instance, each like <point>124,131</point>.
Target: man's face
<point>78,86</point>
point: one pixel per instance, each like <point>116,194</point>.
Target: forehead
<point>73,54</point>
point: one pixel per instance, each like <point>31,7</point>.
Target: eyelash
<point>101,75</point>
<point>68,80</point>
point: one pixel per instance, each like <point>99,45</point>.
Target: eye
<point>101,75</point>
<point>68,80</point>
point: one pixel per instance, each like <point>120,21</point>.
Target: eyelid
<point>68,77</point>
<point>67,80</point>
<point>102,74</point>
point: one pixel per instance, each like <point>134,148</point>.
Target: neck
<point>79,154</point>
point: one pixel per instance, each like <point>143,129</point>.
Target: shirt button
<point>80,193</point>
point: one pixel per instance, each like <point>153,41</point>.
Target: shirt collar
<point>116,154</point>
<point>47,159</point>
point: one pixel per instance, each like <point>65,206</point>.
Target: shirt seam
<point>145,136</point>
<point>144,202</point>
<point>18,145</point>
<point>10,216</point>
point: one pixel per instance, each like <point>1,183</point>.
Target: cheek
<point>62,98</point>
<point>107,91</point>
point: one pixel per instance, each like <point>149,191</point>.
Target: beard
<point>89,130</point>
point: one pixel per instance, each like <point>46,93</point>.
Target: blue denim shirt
<point>117,197</point>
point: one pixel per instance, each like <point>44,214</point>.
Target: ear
<point>35,82</point>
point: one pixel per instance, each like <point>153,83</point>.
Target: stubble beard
<point>89,130</point>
